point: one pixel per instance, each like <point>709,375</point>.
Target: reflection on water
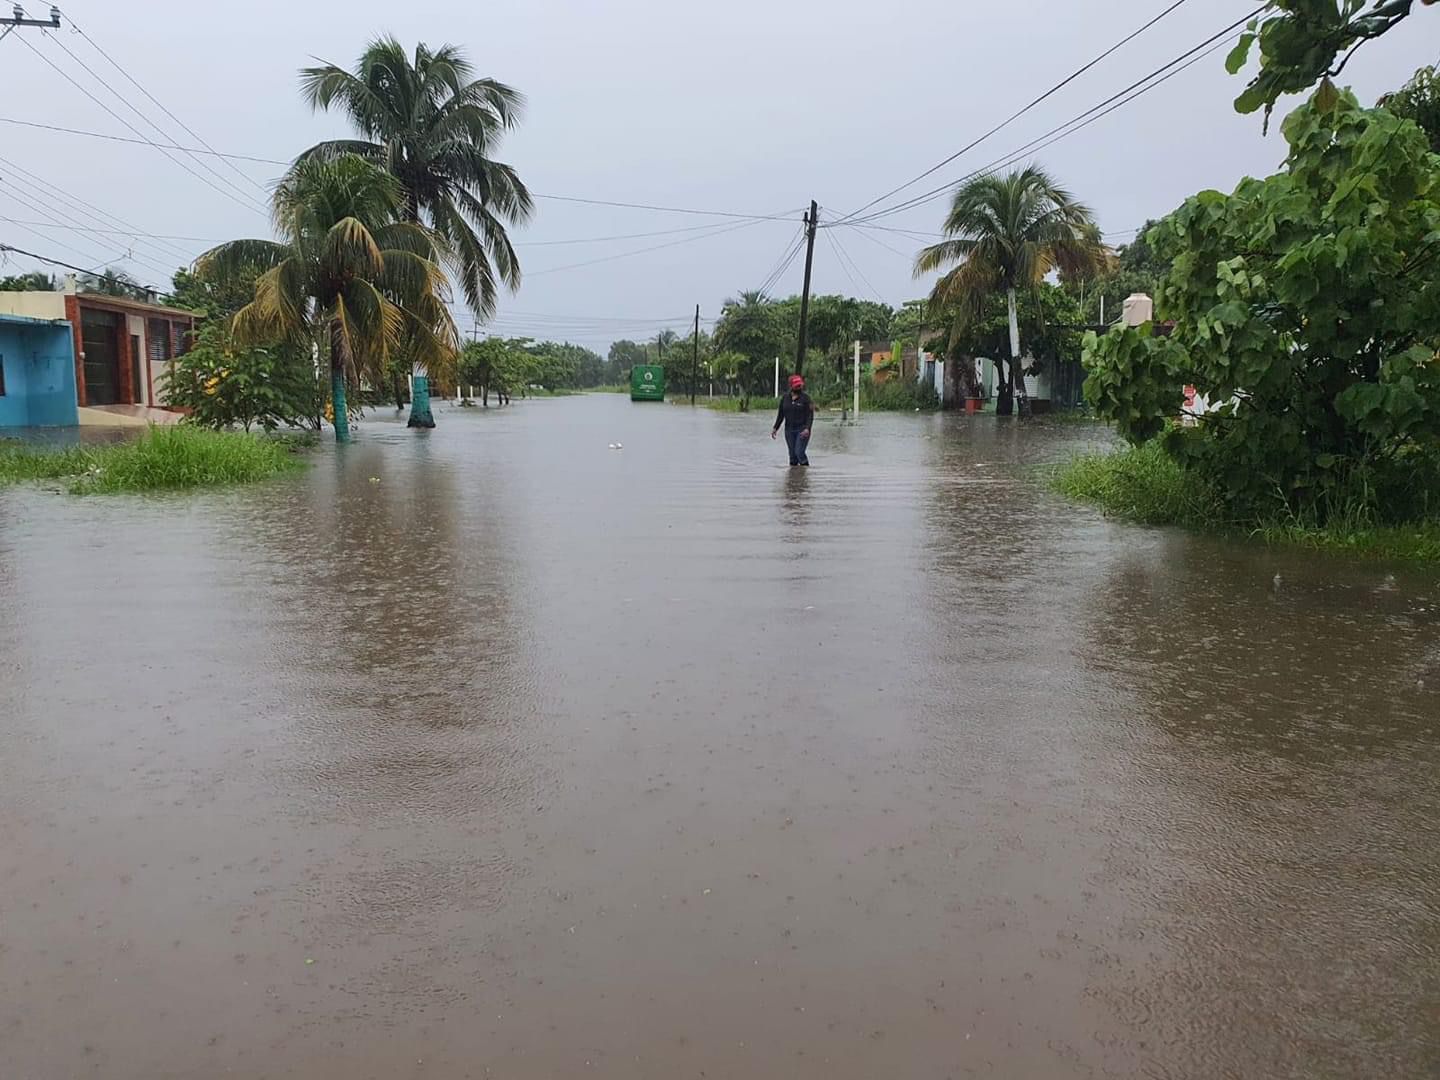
<point>494,751</point>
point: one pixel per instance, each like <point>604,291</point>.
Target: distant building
<point>37,372</point>
<point>121,347</point>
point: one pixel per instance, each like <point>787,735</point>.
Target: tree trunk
<point>420,404</point>
<point>1017,366</point>
<point>337,384</point>
<point>1004,390</point>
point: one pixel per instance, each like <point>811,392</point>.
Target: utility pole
<point>695,356</point>
<point>19,19</point>
<point>805,296</point>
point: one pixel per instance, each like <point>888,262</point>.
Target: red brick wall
<point>72,312</point>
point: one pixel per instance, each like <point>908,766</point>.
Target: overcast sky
<point>745,107</point>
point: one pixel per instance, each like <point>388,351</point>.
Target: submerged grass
<point>162,459</point>
<point>1146,486</point>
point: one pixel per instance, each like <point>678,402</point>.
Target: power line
<point>768,285</point>
<point>1136,89</point>
<point>845,254</point>
<point>137,142</point>
<point>787,255</point>
<point>854,284</point>
<point>80,269</point>
<point>1017,115</point>
<point>156,101</point>
<point>133,108</point>
<point>716,231</point>
<point>876,240</point>
<point>58,194</point>
<point>199,176</point>
<point>662,209</point>
<point>604,239</point>
<point>129,233</point>
<point>59,221</point>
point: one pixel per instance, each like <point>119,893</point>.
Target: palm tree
<point>433,126</point>
<point>349,271</point>
<point>748,328</point>
<point>1008,233</point>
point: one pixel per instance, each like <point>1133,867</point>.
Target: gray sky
<point>745,106</point>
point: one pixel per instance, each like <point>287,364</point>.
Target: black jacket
<point>797,414</point>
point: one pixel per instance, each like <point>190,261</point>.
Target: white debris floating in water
<point>617,446</point>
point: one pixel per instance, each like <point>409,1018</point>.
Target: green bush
<point>163,458</point>
<point>1142,484</point>
<point>227,385</point>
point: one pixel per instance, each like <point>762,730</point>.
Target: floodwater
<point>493,752</point>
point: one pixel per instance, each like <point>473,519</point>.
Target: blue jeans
<point>798,442</point>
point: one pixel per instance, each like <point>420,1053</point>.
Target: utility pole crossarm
<point>19,19</point>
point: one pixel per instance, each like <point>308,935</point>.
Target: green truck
<point>647,382</point>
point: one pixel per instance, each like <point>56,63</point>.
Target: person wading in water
<point>797,413</point>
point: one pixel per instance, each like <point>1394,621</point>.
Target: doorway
<point>100,338</point>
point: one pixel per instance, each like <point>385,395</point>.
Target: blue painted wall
<point>38,356</point>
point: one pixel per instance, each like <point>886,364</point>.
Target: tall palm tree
<point>348,271</point>
<point>1008,233</point>
<point>433,126</point>
<point>749,327</point>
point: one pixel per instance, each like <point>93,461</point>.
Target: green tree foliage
<point>1307,305</point>
<point>213,297</point>
<point>1419,100</point>
<point>225,384</point>
<point>35,281</point>
<point>349,272</point>
<point>1304,42</point>
<point>114,282</point>
<point>623,356</point>
<point>434,127</point>
<point>750,326</point>
<point>1006,234</point>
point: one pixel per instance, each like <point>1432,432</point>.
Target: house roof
<point>104,299</point>
<point>30,320</point>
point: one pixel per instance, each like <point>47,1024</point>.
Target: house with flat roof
<point>122,347</point>
<point>37,372</point>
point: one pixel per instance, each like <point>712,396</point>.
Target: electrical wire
<point>787,254</point>
<point>79,269</point>
<point>59,223</point>
<point>876,240</point>
<point>56,223</point>
<point>57,194</point>
<point>1137,89</point>
<point>137,142</point>
<point>1017,115</point>
<point>129,233</point>
<point>162,132</point>
<point>156,101</point>
<point>605,239</point>
<point>663,209</point>
<point>854,284</point>
<point>845,254</point>
<point>199,176</point>
<point>717,231</point>
<point>767,288</point>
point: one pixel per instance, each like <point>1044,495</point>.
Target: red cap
<point>796,382</point>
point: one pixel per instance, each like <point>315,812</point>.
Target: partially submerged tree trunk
<point>1017,366</point>
<point>1004,390</point>
<point>338,354</point>
<point>420,416</point>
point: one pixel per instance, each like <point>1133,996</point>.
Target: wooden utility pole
<point>805,296</point>
<point>695,356</point>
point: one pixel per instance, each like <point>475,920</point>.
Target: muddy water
<point>499,753</point>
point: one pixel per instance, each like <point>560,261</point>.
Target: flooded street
<point>495,752</point>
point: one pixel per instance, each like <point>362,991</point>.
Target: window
<point>157,336</point>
